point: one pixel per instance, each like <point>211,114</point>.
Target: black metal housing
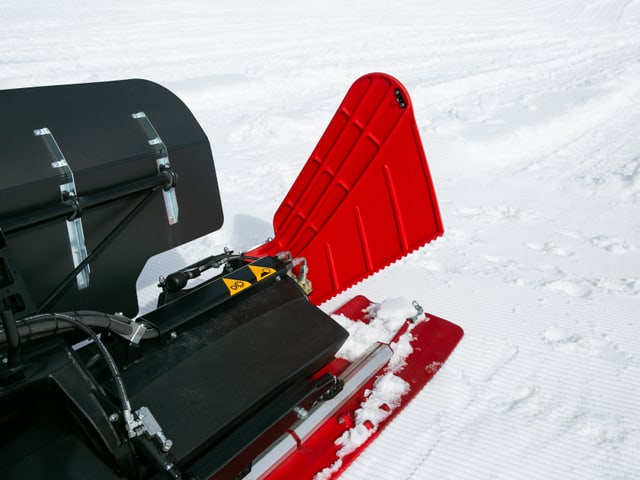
<point>114,167</point>
<point>226,363</point>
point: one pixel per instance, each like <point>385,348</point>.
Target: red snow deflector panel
<point>365,198</point>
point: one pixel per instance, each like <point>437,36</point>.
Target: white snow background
<point>530,116</point>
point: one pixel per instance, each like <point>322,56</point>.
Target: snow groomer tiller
<point>241,375</point>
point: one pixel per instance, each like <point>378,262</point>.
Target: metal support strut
<point>169,193</point>
<point>68,194</point>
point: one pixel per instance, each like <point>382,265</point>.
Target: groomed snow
<point>530,116</point>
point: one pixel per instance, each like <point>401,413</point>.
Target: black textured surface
<point>104,147</point>
<point>216,376</point>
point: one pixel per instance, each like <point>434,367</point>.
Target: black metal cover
<point>109,154</point>
<point>217,376</point>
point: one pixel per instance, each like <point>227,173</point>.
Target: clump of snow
<point>590,345</point>
<point>385,319</point>
<point>402,348</point>
<point>328,472</point>
<point>380,402</point>
<point>572,287</point>
<point>393,311</point>
<point>555,334</point>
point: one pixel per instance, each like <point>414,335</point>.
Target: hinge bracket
<point>68,194</point>
<point>162,162</point>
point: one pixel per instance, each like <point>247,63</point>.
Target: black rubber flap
<point>213,378</point>
<point>105,148</point>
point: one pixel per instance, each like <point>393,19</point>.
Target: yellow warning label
<point>235,286</point>
<point>261,272</point>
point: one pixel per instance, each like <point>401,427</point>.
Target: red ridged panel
<point>365,198</point>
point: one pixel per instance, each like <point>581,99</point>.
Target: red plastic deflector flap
<point>365,198</point>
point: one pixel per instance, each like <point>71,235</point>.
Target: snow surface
<point>529,112</point>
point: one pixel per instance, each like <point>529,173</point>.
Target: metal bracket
<point>146,423</point>
<point>169,194</point>
<point>68,193</point>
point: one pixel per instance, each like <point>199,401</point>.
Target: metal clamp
<point>169,193</point>
<point>68,194</point>
<point>145,423</point>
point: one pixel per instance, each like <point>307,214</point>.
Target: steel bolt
<point>301,413</point>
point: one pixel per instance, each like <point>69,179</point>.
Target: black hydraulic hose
<point>111,364</point>
<point>96,251</point>
<point>31,328</point>
<point>45,324</point>
<point>12,338</point>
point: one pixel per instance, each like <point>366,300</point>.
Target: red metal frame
<point>434,340</point>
